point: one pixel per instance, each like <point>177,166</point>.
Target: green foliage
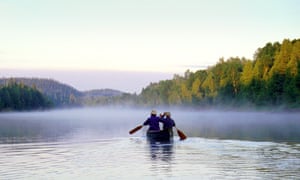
<point>19,97</point>
<point>264,59</point>
<point>271,79</point>
<point>282,58</point>
<point>59,94</point>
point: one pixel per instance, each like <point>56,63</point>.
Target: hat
<point>153,112</point>
<point>168,113</point>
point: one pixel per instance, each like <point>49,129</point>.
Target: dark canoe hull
<point>160,136</point>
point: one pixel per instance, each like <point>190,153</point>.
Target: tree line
<point>21,97</point>
<point>271,79</point>
<point>60,94</point>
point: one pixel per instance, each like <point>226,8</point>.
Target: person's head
<point>168,114</point>
<point>153,113</point>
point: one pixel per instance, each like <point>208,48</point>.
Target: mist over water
<point>258,126</point>
<point>64,124</point>
<point>104,122</point>
<point>93,143</point>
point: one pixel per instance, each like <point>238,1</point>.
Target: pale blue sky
<point>157,36</point>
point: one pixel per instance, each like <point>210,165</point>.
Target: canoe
<point>160,136</point>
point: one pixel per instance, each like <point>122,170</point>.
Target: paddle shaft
<point>135,129</point>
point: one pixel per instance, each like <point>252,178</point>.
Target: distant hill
<point>102,92</point>
<point>60,94</point>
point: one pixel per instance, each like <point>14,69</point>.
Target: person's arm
<point>146,122</point>
<point>161,118</point>
<point>174,125</point>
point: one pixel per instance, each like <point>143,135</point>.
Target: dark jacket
<point>153,122</point>
<point>168,123</point>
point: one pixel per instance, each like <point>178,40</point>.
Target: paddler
<point>153,121</point>
<point>168,122</point>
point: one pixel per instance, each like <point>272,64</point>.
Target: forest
<point>58,93</point>
<point>271,79</point>
<point>21,97</point>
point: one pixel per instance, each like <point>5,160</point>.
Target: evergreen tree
<point>282,58</point>
<point>20,97</point>
<point>275,88</point>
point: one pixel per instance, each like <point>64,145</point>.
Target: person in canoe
<point>153,122</point>
<point>154,128</point>
<point>154,134</point>
<point>168,122</point>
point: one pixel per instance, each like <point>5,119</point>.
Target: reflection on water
<point>161,156</point>
<point>132,158</point>
<point>162,152</point>
<point>95,144</point>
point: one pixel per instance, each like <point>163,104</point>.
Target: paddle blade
<point>135,129</point>
<point>181,135</point>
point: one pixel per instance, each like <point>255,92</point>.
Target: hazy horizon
<point>83,80</point>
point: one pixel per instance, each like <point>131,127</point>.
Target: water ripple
<point>135,158</point>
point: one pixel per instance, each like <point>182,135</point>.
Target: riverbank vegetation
<point>271,79</point>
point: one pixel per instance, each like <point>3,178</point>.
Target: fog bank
<point>99,122</point>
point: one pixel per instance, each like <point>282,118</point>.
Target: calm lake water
<point>94,143</point>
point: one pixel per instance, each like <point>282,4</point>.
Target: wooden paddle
<point>135,129</point>
<point>181,134</point>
